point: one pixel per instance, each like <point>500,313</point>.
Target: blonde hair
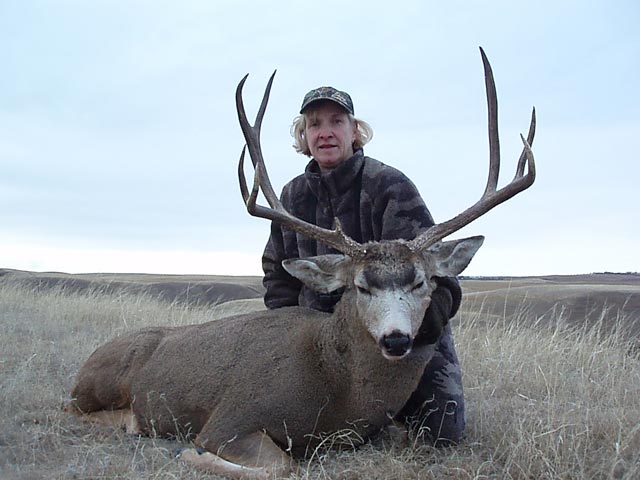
<point>364,133</point>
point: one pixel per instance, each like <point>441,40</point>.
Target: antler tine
<point>335,238</point>
<point>252,133</point>
<point>522,161</point>
<point>491,196</point>
<point>249,198</point>
<point>494,140</point>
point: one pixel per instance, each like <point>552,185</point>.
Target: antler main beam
<point>335,238</point>
<point>492,196</point>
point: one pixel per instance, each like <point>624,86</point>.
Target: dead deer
<point>252,387</point>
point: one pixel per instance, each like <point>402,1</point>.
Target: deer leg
<point>212,463</point>
<point>254,457</point>
<point>122,419</point>
<point>397,434</point>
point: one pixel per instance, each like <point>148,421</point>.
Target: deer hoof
<point>183,450</point>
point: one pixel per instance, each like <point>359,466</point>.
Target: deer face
<point>392,293</point>
<point>391,285</point>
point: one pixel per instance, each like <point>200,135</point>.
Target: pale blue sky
<point>119,138</point>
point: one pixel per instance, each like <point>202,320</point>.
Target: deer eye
<point>363,290</point>
<point>418,286</point>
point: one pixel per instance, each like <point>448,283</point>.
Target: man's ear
<point>452,257</point>
<point>323,274</point>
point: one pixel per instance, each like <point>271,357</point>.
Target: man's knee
<point>437,422</point>
<point>435,411</point>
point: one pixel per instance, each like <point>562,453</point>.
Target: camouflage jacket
<point>373,201</point>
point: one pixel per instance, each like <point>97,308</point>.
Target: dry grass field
<point>551,365</point>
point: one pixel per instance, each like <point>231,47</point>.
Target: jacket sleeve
<point>405,215</point>
<point>453,286</point>
<point>282,290</point>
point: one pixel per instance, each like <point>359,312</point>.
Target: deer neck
<point>361,379</point>
<point>345,343</point>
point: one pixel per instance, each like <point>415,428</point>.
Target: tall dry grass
<point>542,401</point>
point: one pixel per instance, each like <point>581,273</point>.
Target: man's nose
<point>326,133</point>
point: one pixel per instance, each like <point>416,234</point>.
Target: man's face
<point>329,133</point>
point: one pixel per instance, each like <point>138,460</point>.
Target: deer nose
<point>396,344</point>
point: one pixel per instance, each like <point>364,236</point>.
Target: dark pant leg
<point>436,408</point>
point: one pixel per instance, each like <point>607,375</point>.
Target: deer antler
<point>491,196</point>
<point>335,238</point>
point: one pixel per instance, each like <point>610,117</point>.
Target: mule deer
<point>252,387</point>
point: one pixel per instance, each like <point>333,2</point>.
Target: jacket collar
<point>337,181</point>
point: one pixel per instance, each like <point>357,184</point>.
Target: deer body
<point>226,377</point>
<point>293,374</point>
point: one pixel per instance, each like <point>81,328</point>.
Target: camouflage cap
<point>328,93</point>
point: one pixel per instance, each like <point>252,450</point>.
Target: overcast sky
<point>119,138</point>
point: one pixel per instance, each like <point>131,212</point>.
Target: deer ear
<point>452,257</point>
<point>324,273</point>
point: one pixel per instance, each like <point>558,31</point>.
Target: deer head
<point>389,284</point>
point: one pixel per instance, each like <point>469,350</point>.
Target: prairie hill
<point>603,300</point>
<point>192,289</point>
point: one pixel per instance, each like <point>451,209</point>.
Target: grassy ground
<point>543,400</point>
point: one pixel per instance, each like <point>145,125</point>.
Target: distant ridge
<point>626,278</point>
<point>191,289</point>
